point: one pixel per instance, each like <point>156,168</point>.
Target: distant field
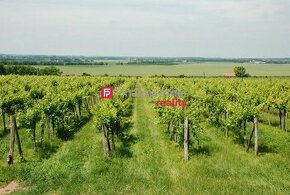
<point>198,69</point>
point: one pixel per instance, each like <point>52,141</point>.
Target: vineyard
<point>234,106</point>
<point>59,136</point>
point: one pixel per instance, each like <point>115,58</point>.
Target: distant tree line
<point>50,63</point>
<point>237,60</point>
<point>155,62</point>
<point>28,70</point>
<point>52,60</point>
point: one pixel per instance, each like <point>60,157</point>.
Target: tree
<point>240,71</point>
<point>2,69</point>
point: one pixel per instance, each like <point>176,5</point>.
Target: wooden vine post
<point>13,133</point>
<point>186,138</point>
<point>254,132</point>
<point>12,139</point>
<point>106,142</point>
<point>256,136</point>
<point>19,143</point>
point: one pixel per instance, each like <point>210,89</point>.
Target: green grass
<point>19,170</point>
<point>274,119</point>
<point>196,69</point>
<point>146,162</point>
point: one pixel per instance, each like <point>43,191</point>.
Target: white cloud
<point>153,27</point>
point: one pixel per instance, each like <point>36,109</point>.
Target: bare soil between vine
<point>11,187</point>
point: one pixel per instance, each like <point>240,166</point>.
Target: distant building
<point>229,74</point>
<point>257,62</point>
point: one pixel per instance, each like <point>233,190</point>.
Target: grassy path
<point>147,163</point>
<point>154,158</point>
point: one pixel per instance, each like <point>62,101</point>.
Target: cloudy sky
<point>207,28</point>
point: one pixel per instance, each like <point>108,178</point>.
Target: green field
<point>198,69</point>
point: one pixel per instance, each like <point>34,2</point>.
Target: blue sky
<point>207,28</point>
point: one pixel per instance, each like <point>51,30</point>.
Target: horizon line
<point>136,56</point>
